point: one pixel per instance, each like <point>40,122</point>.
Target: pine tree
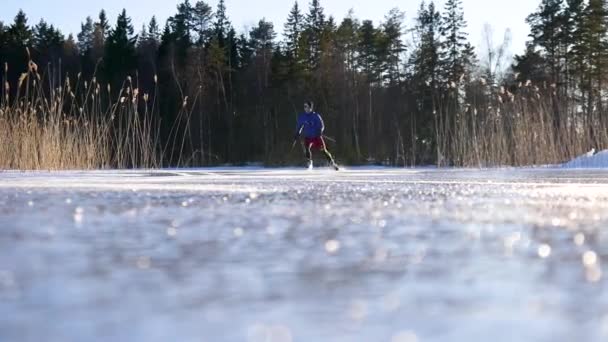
<point>314,25</point>
<point>19,33</point>
<point>567,24</point>
<point>142,37</point>
<point>262,42</point>
<point>294,26</point>
<point>14,53</point>
<point>262,36</point>
<point>47,47</point>
<point>326,77</point>
<point>367,50</point>
<point>222,23</point>
<point>530,66</point>
<point>70,46</point>
<point>392,45</point>
<point>330,25</point>
<point>40,34</point>
<point>4,56</point>
<point>226,42</point>
<point>85,37</point>
<point>3,41</point>
<point>576,51</point>
<point>470,61</point>
<point>153,31</point>
<point>348,39</point>
<point>88,48</point>
<point>120,57</point>
<point>233,51</point>
<point>545,25</point>
<point>70,57</point>
<point>424,77</point>
<point>103,24</point>
<point>425,59</point>
<point>101,28</point>
<point>201,21</point>
<point>595,29</point>
<point>166,43</point>
<point>454,45</point>
<point>183,21</point>
<point>216,61</point>
<point>147,51</point>
<point>245,51</point>
<point>328,41</point>
<point>47,42</point>
<point>181,32</point>
<point>574,28</point>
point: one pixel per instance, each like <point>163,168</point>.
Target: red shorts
<point>314,143</point>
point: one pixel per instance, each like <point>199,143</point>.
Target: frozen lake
<point>293,255</point>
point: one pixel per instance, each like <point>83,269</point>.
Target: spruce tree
<point>367,49</point>
<point>85,37</point>
<point>70,57</point>
<point>425,59</point>
<point>120,56</point>
<point>454,43</point>
<point>348,39</point>
<point>294,26</point>
<point>222,23</point>
<point>153,31</point>
<point>103,24</point>
<point>19,33</point>
<point>101,28</point>
<point>166,43</point>
<point>245,51</point>
<point>314,25</point>
<point>393,45</point>
<point>47,41</point>
<point>143,35</point>
<point>424,75</point>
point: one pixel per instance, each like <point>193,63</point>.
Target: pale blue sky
<point>67,15</point>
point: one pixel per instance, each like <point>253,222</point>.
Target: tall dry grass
<point>533,127</point>
<point>78,124</point>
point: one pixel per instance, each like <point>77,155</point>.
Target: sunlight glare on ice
<point>544,251</point>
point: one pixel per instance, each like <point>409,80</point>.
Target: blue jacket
<point>311,124</point>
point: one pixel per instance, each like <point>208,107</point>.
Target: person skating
<point>311,126</point>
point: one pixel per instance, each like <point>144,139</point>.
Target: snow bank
<point>589,160</point>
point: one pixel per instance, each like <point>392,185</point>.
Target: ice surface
<point>294,255</point>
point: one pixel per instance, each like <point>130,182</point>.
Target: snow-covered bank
<point>589,160</point>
